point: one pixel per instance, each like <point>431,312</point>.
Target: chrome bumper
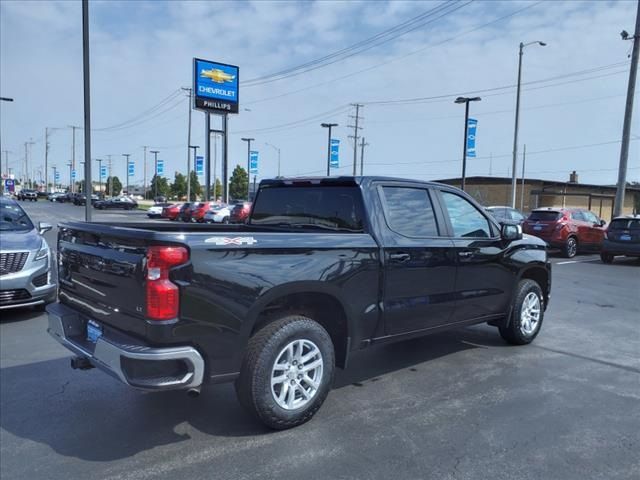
<point>68,327</point>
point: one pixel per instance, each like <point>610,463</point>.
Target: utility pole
<point>55,174</point>
<point>155,155</point>
<point>3,99</point>
<point>46,159</point>
<point>248,140</point>
<point>188,145</point>
<point>355,134</point>
<point>517,122</point>
<point>524,159</point>
<point>88,189</point>
<point>127,155</point>
<point>329,126</point>
<point>73,152</point>
<point>362,145</point>
<point>144,168</point>
<point>628,111</point>
<point>195,152</point>
<point>70,165</point>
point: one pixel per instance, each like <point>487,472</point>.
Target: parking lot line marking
<point>578,261</point>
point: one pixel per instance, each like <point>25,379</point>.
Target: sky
<point>572,100</point>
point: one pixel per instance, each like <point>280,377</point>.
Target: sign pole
<point>207,155</point>
<point>225,158</point>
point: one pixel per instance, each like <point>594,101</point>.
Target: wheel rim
<point>530,313</point>
<point>572,247</point>
<point>296,374</point>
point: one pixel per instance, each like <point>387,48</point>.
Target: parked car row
<point>574,230</point>
<point>201,212</point>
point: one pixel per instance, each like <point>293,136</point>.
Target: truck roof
<point>343,180</point>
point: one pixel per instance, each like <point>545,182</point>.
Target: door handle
<point>399,257</point>
<point>466,254</point>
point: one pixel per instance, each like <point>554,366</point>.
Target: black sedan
<point>123,203</point>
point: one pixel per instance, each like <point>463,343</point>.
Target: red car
<point>198,211</point>
<point>171,212</point>
<point>569,229</point>
<point>240,212</point>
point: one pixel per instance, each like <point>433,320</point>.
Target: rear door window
<point>465,218</point>
<point>409,211</point>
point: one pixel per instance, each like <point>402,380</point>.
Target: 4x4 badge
<point>231,240</point>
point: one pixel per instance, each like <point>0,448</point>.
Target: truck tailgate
<point>103,276</point>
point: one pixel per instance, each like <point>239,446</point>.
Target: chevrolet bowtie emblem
<point>218,76</point>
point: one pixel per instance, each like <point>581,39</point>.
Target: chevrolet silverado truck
<point>323,267</point>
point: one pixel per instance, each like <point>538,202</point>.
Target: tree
<point>238,183</point>
<point>163,186</point>
<point>196,189</point>
<point>115,183</point>
<point>179,186</point>
<point>216,192</point>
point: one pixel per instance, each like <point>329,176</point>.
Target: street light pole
<point>466,101</point>
<point>155,175</point>
<point>628,112</point>
<point>99,160</point>
<point>195,150</point>
<point>248,140</point>
<point>514,174</point>
<point>278,150</point>
<point>127,155</point>
<point>3,99</point>
<point>70,165</point>
<point>329,126</point>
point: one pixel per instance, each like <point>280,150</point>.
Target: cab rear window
<point>545,216</point>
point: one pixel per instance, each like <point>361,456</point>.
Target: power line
<point>380,64</point>
<point>362,46</point>
<point>340,109</point>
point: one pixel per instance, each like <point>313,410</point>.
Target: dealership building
<point>550,193</point>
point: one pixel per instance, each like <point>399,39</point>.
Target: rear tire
<point>225,220</point>
<point>527,314</point>
<point>276,355</point>
<point>570,248</point>
<point>606,257</point>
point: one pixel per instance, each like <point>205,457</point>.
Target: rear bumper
<point>621,248</point>
<point>125,358</point>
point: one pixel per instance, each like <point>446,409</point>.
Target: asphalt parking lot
<point>457,405</point>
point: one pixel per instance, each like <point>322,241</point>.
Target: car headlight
<point>43,252</point>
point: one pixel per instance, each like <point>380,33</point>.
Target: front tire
<point>287,372</point>
<point>527,314</point>
<point>570,248</point>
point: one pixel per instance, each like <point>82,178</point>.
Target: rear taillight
<point>163,296</point>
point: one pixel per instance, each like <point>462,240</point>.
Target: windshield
<point>338,208</point>
<point>13,218</point>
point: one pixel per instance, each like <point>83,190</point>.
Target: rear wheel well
<point>320,307</point>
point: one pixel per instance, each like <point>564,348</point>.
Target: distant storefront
<point>547,193</point>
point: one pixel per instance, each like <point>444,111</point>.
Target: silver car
<point>26,261</point>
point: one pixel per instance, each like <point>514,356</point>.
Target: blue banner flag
<point>472,125</point>
<point>334,160</point>
<point>253,162</point>
<point>103,172</point>
<point>199,166</point>
<point>73,174</point>
<point>160,168</point>
<point>57,177</point>
<point>132,169</point>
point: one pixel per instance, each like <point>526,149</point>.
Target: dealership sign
<point>215,86</point>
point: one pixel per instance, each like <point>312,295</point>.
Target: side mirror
<point>44,227</point>
<point>511,232</point>
<point>602,223</point>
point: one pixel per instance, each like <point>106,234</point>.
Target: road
<point>457,405</point>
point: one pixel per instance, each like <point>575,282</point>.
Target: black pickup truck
<point>323,267</point>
